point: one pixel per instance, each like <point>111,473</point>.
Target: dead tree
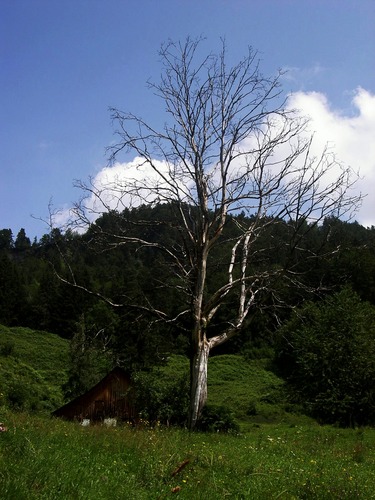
<point>230,144</point>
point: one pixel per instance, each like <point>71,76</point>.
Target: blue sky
<point>64,62</point>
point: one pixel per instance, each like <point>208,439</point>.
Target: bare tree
<point>230,145</point>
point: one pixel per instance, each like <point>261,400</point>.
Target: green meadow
<point>33,367</point>
<point>277,453</point>
<point>47,458</point>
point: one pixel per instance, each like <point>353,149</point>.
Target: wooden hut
<point>111,398</point>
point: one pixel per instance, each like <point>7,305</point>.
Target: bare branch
<point>229,144</point>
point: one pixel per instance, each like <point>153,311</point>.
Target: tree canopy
<point>327,353</point>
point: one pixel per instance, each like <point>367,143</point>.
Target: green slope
<point>33,365</point>
<point>253,392</point>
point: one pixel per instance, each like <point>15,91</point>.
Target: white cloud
<point>127,185</point>
<point>139,181</point>
<point>351,137</point>
<point>114,183</point>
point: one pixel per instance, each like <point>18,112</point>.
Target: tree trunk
<point>198,388</point>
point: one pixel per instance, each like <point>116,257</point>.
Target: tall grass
<point>47,458</point>
<point>44,458</point>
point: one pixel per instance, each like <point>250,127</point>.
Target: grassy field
<point>47,458</point>
<point>276,455</point>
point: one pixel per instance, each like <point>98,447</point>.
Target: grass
<point>246,386</point>
<point>254,393</point>
<point>48,458</point>
<point>33,366</point>
<point>277,455</point>
<point>42,350</point>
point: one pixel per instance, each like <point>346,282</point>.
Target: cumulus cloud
<point>351,137</point>
<point>126,185</point>
<point>139,181</point>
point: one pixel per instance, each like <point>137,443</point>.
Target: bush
<point>252,409</point>
<point>161,400</point>
<point>327,354</point>
<point>217,419</point>
<point>22,398</point>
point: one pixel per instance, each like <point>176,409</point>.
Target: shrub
<point>217,419</point>
<point>327,354</point>
<point>162,400</point>
<point>252,409</point>
<point>21,397</point>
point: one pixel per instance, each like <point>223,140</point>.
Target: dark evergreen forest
<point>32,294</point>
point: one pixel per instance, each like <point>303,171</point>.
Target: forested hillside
<point>33,296</point>
<point>34,292</point>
